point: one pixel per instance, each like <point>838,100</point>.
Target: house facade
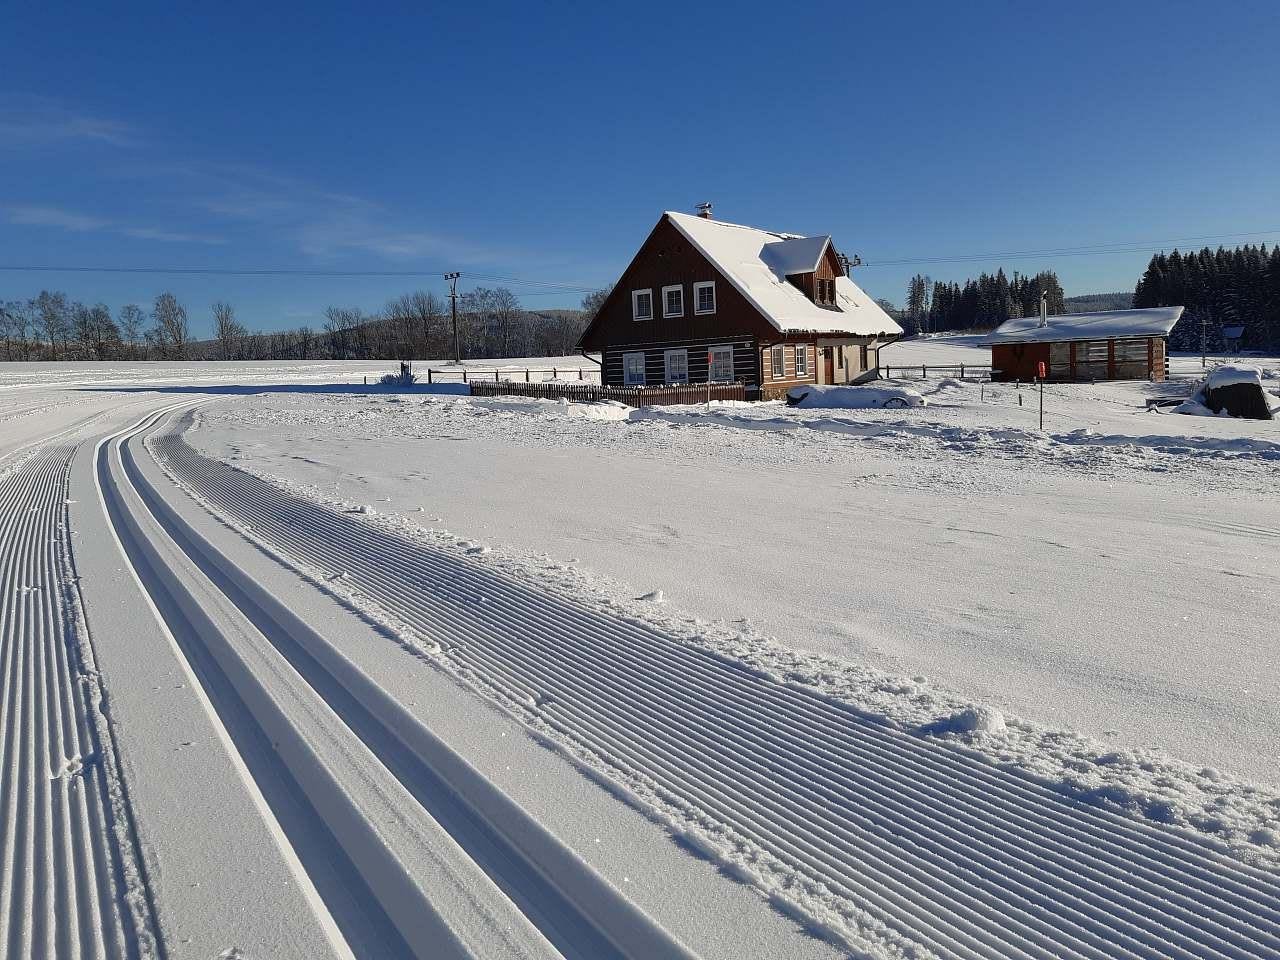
<point>1115,345</point>
<point>704,300</point>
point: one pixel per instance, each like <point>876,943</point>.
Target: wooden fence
<point>960,371</point>
<point>631,396</point>
<point>498,374</point>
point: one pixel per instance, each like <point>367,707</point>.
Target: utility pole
<point>453,308</point>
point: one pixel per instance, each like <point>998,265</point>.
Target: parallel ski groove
<point>62,879</point>
<point>967,860</point>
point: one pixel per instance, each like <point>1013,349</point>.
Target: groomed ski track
<point>882,838</point>
<point>72,882</point>
<point>414,854</point>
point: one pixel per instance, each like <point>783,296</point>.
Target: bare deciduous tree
<point>228,331</point>
<point>130,323</point>
<point>53,319</point>
<point>170,331</point>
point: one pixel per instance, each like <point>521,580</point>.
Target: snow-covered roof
<point>1151,322</point>
<point>797,255</point>
<point>757,263</point>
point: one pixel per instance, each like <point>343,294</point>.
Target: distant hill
<point>1096,302</point>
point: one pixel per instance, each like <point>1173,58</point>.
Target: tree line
<point>1238,287</point>
<point>990,300</point>
<point>418,325</point>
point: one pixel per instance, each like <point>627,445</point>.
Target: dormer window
<point>642,304</point>
<point>673,301</point>
<point>824,291</point>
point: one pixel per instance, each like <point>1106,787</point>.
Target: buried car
<point>818,396</point>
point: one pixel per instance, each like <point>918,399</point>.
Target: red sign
<point>1042,370</point>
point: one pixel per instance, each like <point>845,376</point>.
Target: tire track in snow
<point>875,832</point>
<point>71,877</point>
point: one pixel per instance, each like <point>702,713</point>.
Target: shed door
<point>828,364</point>
<point>1060,359</point>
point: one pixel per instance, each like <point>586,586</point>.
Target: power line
<point>552,288</point>
<point>1097,249</point>
<point>288,272</point>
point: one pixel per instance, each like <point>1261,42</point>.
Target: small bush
<point>405,379</point>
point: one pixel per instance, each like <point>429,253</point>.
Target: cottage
<point>705,300</point>
<point>1115,345</point>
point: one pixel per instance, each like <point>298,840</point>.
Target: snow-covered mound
<point>1234,391</point>
<point>814,396</point>
<point>1228,375</point>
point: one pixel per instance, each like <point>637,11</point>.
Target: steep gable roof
<point>757,263</point>
<point>1149,322</point>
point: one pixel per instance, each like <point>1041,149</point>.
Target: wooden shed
<point>1115,345</point>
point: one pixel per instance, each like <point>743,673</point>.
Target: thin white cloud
<point>37,120</point>
<point>33,216</point>
<point>52,217</point>
<point>169,236</point>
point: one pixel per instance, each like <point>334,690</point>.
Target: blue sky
<point>541,142</point>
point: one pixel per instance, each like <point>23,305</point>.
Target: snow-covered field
<point>292,669</point>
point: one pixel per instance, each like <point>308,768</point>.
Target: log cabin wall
<point>776,382</point>
<point>745,361</point>
<point>1128,358</point>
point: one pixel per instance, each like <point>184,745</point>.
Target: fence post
<point>924,372</point>
<point>429,380</point>
<point>495,374</point>
<point>554,374</point>
<point>579,373</point>
<point>526,374</point>
<point>464,374</point>
<point>962,371</point>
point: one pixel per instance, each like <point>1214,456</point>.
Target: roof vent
<point>704,211</point>
<point>1044,308</point>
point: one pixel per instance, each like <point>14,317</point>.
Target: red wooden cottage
<point>1115,345</point>
<point>707,300</point>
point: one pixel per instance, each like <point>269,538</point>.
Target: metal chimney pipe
<point>1044,308</point>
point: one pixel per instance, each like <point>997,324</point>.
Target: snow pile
<point>816,396</point>
<point>1248,403</point>
<point>975,719</point>
<point>1228,375</point>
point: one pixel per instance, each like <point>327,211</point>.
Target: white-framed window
<point>673,301</point>
<point>720,363</point>
<point>778,361</point>
<point>802,360</point>
<point>704,297</point>
<point>677,366</point>
<point>633,369</point>
<point>642,304</point>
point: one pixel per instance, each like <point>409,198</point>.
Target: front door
<point>828,365</point>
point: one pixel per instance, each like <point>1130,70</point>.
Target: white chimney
<point>1044,308</point>
<point>704,211</point>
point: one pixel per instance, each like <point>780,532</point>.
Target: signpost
<point>1042,372</point>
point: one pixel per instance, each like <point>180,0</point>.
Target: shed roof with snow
<point>757,262</point>
<point>1107,325</point>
